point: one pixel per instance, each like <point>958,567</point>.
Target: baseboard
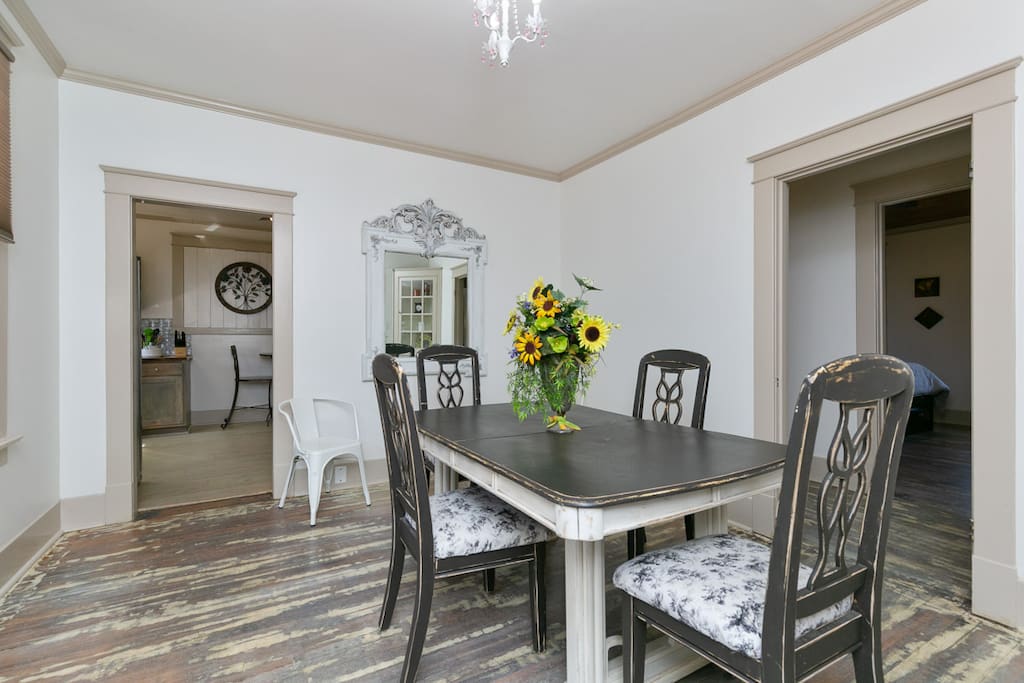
<point>22,553</point>
<point>83,512</point>
<point>996,592</point>
<point>960,418</point>
<point>376,472</point>
<point>202,418</point>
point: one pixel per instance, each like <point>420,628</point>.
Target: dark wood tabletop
<point>613,459</point>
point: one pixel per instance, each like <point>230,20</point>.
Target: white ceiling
<point>410,70</point>
<point>207,220</point>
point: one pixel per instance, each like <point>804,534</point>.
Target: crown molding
<point>882,13</point>
<point>976,77</point>
<point>8,35</point>
<point>821,45</point>
<point>154,92</point>
<point>34,30</point>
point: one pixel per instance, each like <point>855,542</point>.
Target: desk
<point>618,473</point>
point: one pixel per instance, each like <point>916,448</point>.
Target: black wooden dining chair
<point>454,533</point>
<point>450,393</point>
<point>667,405</point>
<point>755,610</point>
<point>248,379</point>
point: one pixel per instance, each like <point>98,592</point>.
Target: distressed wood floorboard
<point>240,590</point>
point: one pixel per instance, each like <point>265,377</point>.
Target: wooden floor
<point>244,591</point>
<point>209,463</point>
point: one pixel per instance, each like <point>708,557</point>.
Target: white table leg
<point>443,476</point>
<point>585,649</point>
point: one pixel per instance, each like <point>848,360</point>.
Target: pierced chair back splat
<point>755,610</point>
<point>458,532</point>
<point>451,393</point>
<point>668,405</point>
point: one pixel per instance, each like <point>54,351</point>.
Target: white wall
<point>339,184</point>
<point>946,348</point>
<point>153,246</point>
<point>666,227</point>
<point>213,374</point>
<point>821,316</point>
<point>29,479</point>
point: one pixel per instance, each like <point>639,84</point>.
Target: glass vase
<point>559,381</point>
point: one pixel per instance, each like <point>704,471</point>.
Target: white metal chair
<point>322,429</point>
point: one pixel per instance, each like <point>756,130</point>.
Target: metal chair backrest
<point>311,418</point>
<point>450,391</point>
<point>407,475</point>
<point>667,405</point>
<point>867,389</point>
<point>234,360</point>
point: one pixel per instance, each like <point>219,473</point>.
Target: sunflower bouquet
<point>557,345</point>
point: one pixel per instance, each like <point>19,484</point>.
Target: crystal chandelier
<point>501,18</point>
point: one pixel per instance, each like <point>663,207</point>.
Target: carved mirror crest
<point>424,284</point>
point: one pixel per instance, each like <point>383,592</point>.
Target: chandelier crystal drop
<point>501,19</point>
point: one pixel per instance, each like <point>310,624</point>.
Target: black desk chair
<point>755,610</point>
<point>394,349</point>
<point>450,534</point>
<point>667,406</point>
<point>249,379</point>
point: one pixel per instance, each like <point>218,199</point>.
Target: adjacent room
<point>517,340</point>
<point>205,379</point>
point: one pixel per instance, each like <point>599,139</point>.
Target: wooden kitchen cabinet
<point>164,395</point>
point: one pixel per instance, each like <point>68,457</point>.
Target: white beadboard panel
<point>202,308</point>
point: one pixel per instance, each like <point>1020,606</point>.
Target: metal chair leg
<point>234,401</point>
<point>288,482</point>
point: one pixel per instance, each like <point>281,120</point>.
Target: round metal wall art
<point>243,287</point>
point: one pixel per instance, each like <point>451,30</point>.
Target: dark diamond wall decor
<point>929,317</point>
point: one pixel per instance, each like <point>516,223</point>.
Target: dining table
<point>615,474</point>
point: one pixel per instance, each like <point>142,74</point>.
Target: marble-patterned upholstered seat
<point>757,611</point>
<point>716,585</point>
<point>470,521</point>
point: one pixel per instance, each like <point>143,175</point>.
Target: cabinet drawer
<point>162,369</point>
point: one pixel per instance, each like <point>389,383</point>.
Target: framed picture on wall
<point>926,286</point>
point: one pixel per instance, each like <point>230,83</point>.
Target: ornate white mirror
<point>424,284</point>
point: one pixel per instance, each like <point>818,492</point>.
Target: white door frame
<point>986,102</point>
<point>121,187</point>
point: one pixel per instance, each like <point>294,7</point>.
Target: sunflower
<point>528,347</point>
<point>538,287</point>
<point>593,333</point>
<point>513,318</point>
<point>547,306</point>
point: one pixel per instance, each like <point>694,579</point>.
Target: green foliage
<point>564,369</point>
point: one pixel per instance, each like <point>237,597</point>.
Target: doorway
<point>121,188</point>
<point>984,101</point>
<point>204,289</point>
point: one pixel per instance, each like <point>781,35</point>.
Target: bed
<point>927,388</point>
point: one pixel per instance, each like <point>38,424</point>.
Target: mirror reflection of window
<point>426,302</point>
